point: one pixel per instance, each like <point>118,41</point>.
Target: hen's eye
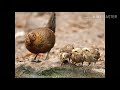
<point>32,36</point>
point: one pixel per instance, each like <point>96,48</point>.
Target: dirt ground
<point>82,29</point>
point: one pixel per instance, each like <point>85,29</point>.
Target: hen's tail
<point>52,22</point>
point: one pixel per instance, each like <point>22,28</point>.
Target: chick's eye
<point>87,50</point>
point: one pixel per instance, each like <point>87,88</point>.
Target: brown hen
<point>42,40</point>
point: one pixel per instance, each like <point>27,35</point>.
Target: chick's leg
<point>61,63</point>
<point>82,64</point>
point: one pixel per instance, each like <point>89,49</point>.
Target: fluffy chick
<point>64,57</point>
<point>90,55</point>
<point>67,48</point>
<point>77,56</point>
<point>65,53</point>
